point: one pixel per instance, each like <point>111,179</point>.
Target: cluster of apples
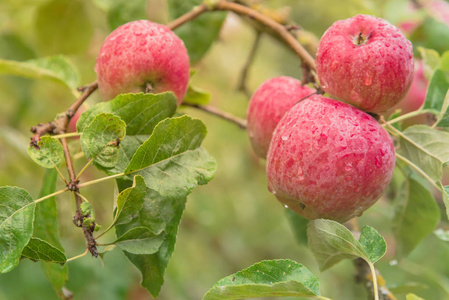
<point>326,158</point>
<point>329,158</point>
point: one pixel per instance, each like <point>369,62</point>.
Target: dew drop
<point>284,137</point>
<point>359,211</point>
<point>137,33</point>
<point>348,167</point>
<point>387,45</point>
<point>368,80</point>
<point>286,206</point>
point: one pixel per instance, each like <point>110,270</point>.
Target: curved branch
<point>281,30</point>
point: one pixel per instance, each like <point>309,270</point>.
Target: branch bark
<point>219,113</point>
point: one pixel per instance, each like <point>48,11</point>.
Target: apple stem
<point>148,88</point>
<point>360,39</point>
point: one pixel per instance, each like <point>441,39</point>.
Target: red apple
<point>365,61</point>
<point>142,56</point>
<point>438,9</point>
<point>328,159</point>
<point>415,97</point>
<point>268,105</point>
<point>72,123</point>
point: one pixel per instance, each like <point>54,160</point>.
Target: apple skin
<point>140,53</point>
<point>269,103</point>
<point>415,97</point>
<point>365,61</point>
<point>72,123</point>
<point>328,159</point>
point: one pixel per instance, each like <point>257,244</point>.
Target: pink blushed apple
<point>142,56</point>
<point>415,97</point>
<point>365,61</point>
<point>328,159</point>
<point>72,123</point>
<point>269,103</point>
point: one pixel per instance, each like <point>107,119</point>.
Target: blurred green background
<point>232,222</point>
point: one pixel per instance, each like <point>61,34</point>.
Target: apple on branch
<point>142,56</point>
<point>268,105</point>
<point>365,61</point>
<point>328,159</point>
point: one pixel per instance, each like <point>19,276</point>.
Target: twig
<point>244,74</point>
<point>193,14</point>
<point>281,30</point>
<point>73,186</point>
<point>59,125</point>
<point>219,113</point>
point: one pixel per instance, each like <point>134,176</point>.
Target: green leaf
<point>46,227</point>
<point>199,34</point>
<point>443,117</point>
<point>445,62</point>
<point>171,160</point>
<point>14,47</point>
<point>57,276</point>
<point>38,249</point>
<point>436,91</point>
<point>139,240</point>
<point>46,214</point>
<point>130,202</point>
<point>124,11</point>
<point>16,225</point>
<point>431,60</point>
<point>48,153</point>
<point>158,214</point>
<point>141,112</point>
<point>407,288</point>
<point>196,96</point>
<point>54,68</point>
<point>100,139</point>
<point>63,27</point>
<point>373,243</point>
<point>332,242</point>
<point>427,148</point>
<point>270,278</point>
<point>445,197</point>
<point>413,297</point>
<point>298,224</point>
<point>417,215</point>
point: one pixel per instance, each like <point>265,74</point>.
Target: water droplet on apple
<point>359,211</point>
<point>284,137</point>
<point>137,33</point>
<point>368,80</point>
<point>271,190</point>
<point>387,45</point>
<point>286,206</point>
<point>348,167</point>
